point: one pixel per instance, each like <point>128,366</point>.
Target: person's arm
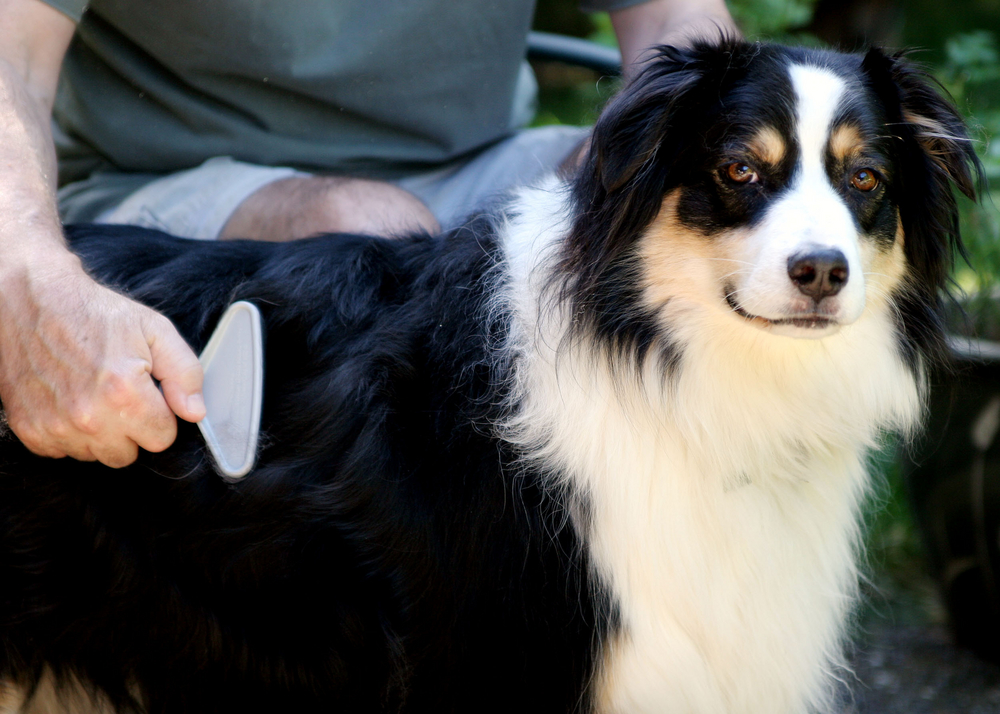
<point>75,357</point>
<point>669,22</point>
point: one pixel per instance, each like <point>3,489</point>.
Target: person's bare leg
<point>305,205</point>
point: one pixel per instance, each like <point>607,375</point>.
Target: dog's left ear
<point>919,111</point>
<point>933,152</point>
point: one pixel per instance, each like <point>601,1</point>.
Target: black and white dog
<point>603,451</point>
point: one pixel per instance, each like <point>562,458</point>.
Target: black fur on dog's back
<point>383,554</point>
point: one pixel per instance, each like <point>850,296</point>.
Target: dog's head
<point>785,190</point>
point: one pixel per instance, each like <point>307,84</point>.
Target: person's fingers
<point>117,454</point>
<point>77,433</point>
<point>146,418</point>
<point>33,437</point>
<point>176,367</point>
<point>121,411</point>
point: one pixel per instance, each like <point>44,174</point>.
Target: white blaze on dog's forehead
<point>810,215</point>
<point>818,92</point>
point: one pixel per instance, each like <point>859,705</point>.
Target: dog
<point>602,449</point>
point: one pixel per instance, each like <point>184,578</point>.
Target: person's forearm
<point>657,22</point>
<point>30,232</point>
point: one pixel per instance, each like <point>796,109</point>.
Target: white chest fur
<point>732,585</point>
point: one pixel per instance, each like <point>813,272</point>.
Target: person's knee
<point>363,206</point>
<point>303,206</point>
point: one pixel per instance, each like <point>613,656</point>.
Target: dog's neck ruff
<point>737,469</point>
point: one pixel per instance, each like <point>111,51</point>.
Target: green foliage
<point>566,98</point>
<point>971,73</point>
<point>771,19</point>
<point>974,55</point>
<point>604,33</point>
<point>980,277</point>
<point>896,580</point>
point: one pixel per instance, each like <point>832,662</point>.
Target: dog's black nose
<point>818,273</point>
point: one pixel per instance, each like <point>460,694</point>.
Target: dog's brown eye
<point>864,180</point>
<point>739,172</point>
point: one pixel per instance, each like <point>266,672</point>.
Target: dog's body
<point>603,451</point>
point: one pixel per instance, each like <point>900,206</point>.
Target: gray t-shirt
<point>376,87</point>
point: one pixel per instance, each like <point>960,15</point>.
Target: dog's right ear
<point>628,133</point>
<point>619,190</point>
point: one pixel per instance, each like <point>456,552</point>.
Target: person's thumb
<point>176,367</point>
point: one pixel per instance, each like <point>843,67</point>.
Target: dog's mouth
<point>809,321</point>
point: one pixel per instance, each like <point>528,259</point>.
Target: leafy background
<point>960,44</point>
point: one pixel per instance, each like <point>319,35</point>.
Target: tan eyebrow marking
<point>768,146</point>
<point>846,141</point>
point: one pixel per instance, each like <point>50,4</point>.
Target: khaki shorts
<point>197,203</point>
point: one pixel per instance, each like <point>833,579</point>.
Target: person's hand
<point>76,368</point>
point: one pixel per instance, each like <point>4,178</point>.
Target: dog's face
<point>787,190</point>
<point>792,204</point>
